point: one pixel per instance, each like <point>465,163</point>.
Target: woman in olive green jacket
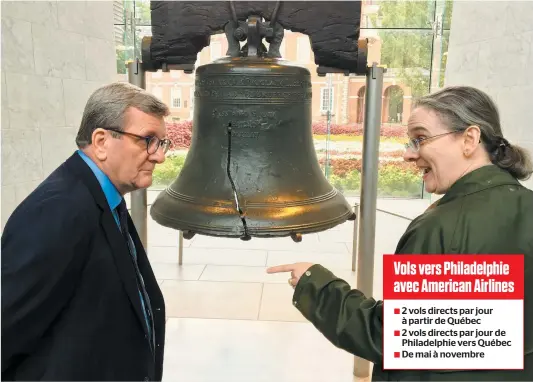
<point>457,141</point>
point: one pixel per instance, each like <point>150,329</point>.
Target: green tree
<point>405,29</point>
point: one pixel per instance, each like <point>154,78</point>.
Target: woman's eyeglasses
<point>414,144</point>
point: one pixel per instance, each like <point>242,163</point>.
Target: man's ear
<point>99,143</point>
<point>471,140</point>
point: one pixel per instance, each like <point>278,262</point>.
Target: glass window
<point>326,99</point>
<point>412,41</point>
<point>143,16</point>
<point>408,57</point>
<point>418,14</point>
<point>176,97</point>
<point>123,48</point>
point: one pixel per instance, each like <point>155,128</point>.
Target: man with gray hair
<point>79,298</point>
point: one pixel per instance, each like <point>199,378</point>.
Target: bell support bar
<point>180,30</point>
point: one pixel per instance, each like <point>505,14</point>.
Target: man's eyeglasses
<point>152,143</point>
<point>414,144</point>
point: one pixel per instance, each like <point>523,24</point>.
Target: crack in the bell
<point>246,236</point>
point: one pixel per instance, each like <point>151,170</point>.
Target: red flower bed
<point>321,128</point>
<point>342,167</point>
<point>388,131</point>
<point>180,134</point>
<point>402,166</point>
<point>393,131</point>
<point>392,154</point>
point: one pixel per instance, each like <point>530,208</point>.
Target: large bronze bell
<point>251,169</point>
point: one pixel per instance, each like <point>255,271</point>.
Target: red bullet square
<point>396,354</point>
<point>397,311</point>
<point>396,333</point>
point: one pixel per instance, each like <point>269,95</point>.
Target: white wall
<point>491,48</point>
<point>54,54</point>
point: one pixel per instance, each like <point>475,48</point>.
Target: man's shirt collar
<point>110,191</point>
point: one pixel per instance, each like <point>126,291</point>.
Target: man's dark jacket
<point>70,303</point>
<point>487,212</point>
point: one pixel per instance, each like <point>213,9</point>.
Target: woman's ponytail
<point>513,159</point>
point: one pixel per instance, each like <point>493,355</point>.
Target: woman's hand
<point>296,269</point>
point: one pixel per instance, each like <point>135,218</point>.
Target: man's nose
<point>410,155</point>
<point>158,156</point>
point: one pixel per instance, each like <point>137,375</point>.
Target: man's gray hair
<point>107,106</point>
<point>462,106</point>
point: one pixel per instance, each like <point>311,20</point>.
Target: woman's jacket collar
<point>478,180</point>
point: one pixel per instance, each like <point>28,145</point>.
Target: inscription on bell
<point>268,81</point>
<point>246,134</point>
<point>247,123</point>
<point>259,94</point>
<point>244,113</point>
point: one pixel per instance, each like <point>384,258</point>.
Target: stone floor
<point>230,321</point>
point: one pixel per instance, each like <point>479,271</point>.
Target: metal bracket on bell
<point>187,68</point>
<point>253,31</point>
<point>254,36</point>
<point>360,67</point>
